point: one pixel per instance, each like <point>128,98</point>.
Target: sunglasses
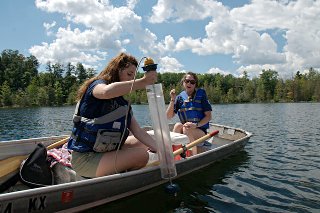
<point>189,81</point>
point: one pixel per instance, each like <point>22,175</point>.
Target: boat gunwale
<point>30,140</point>
<point>110,178</point>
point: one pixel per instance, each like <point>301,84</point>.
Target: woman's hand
<point>173,94</point>
<point>142,135</point>
<point>150,77</point>
<point>190,125</point>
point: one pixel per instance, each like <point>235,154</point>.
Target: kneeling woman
<point>102,121</point>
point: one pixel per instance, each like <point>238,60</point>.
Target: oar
<point>189,145</point>
<point>13,163</point>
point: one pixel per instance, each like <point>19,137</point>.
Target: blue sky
<point>202,36</point>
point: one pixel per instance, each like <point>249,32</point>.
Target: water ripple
<point>278,171</point>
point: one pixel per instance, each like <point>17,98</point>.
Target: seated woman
<point>102,121</point>
<point>193,108</point>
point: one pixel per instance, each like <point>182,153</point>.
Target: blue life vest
<point>191,110</point>
<point>86,130</point>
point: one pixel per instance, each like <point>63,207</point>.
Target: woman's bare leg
<point>133,155</point>
<point>193,134</point>
<point>178,128</point>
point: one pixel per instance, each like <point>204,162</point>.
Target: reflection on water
<point>47,121</point>
<point>35,122</point>
<point>278,171</point>
<point>190,198</point>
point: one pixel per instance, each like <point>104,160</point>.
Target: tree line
<point>23,85</point>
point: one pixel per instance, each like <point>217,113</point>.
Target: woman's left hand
<point>173,94</point>
<point>190,125</point>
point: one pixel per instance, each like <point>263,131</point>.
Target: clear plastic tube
<point>161,130</point>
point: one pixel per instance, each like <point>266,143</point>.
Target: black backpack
<point>35,171</point>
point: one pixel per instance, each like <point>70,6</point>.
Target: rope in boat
<point>126,118</point>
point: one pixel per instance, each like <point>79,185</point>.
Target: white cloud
<point>181,10</point>
<point>131,4</point>
<point>258,49</point>
<point>169,64</point>
<point>96,28</point>
<point>186,43</point>
<point>72,45</point>
<point>48,27</point>
<point>102,27</point>
<point>150,47</point>
<point>254,70</point>
<point>167,45</point>
<point>227,36</point>
<point>242,32</point>
<point>297,19</point>
<point>215,70</point>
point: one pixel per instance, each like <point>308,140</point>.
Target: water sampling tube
<point>160,125</point>
<point>161,130</point>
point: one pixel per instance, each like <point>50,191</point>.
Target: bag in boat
<point>35,171</point>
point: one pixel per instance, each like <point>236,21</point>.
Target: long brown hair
<point>111,72</point>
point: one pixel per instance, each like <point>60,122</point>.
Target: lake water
<point>278,171</point>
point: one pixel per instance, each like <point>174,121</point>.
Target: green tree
<point>20,98</point>
<point>31,65</point>
<point>57,71</point>
<point>217,95</point>
<point>269,80</point>
<point>81,73</point>
<point>48,76</point>
<point>248,92</point>
<point>316,94</point>
<point>260,91</point>
<point>280,92</point>
<point>51,95</point>
<point>69,83</point>
<point>289,88</point>
<point>58,94</point>
<point>13,69</point>
<point>22,85</point>
<point>32,93</point>
<point>43,97</point>
<point>6,95</point>
<point>90,72</point>
<point>313,78</point>
<point>231,98</point>
<point>72,95</point>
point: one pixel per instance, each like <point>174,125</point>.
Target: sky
<point>202,36</point>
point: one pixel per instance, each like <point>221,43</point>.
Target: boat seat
<point>176,138</point>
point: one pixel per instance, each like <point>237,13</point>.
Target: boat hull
<point>84,194</point>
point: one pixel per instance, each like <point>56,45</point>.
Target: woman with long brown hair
<point>103,120</point>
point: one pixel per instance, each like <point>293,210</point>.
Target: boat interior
<point>225,136</point>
